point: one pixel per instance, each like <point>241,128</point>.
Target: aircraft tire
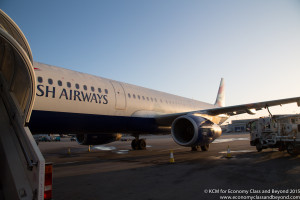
<point>195,148</point>
<point>134,144</point>
<point>141,144</point>
<point>205,147</point>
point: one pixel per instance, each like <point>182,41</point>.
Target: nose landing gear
<point>138,144</point>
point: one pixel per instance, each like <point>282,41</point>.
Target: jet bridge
<point>22,168</point>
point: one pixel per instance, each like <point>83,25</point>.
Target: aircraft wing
<point>246,108</point>
<point>228,110</point>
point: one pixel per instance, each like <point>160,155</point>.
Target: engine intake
<point>97,139</point>
<point>192,130</point>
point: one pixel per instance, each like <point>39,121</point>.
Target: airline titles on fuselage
<point>69,94</point>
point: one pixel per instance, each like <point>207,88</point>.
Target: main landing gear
<point>138,144</point>
<point>203,147</point>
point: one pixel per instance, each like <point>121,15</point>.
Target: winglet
<point>220,101</point>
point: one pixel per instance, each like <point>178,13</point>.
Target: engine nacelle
<point>251,111</point>
<point>192,130</point>
<point>97,139</point>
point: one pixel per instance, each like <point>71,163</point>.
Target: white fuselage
<point>64,91</point>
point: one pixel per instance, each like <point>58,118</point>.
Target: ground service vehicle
<point>281,131</point>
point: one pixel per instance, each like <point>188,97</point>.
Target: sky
<point>183,47</point>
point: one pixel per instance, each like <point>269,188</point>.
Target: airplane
<point>100,110</point>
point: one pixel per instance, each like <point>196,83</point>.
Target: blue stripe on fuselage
<point>73,123</point>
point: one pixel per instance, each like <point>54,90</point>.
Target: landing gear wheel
<point>195,148</point>
<point>141,144</point>
<point>138,144</point>
<point>134,144</point>
<point>205,147</point>
<point>291,149</point>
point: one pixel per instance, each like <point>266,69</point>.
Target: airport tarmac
<point>114,171</point>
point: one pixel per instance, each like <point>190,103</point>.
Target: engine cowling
<point>251,111</point>
<point>97,139</point>
<point>192,130</point>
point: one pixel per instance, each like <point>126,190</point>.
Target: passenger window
<point>143,98</point>
<point>77,86</point>
<point>93,89</point>
<point>99,90</point>
<point>133,96</point>
<point>106,91</point>
<point>59,83</point>
<point>69,85</point>
<point>129,95</point>
<point>139,97</point>
<point>50,81</point>
<point>40,79</point>
<point>85,87</point>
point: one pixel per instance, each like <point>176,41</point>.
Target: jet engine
<point>193,130</point>
<point>97,139</point>
<point>251,111</point>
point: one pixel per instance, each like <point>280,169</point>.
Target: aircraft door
<point>120,95</point>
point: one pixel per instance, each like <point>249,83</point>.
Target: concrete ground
<point>113,171</point>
